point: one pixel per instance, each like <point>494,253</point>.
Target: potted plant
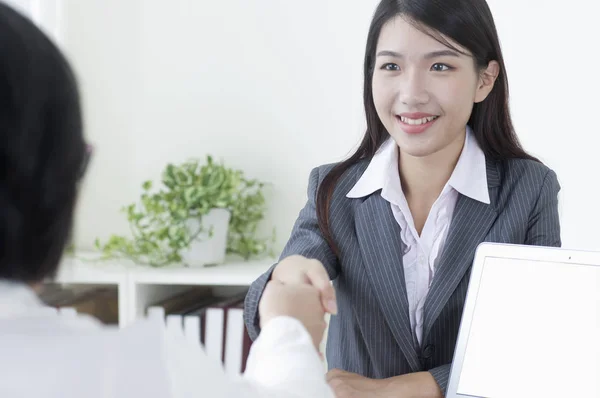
<point>201,212</point>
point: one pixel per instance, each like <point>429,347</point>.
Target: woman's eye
<point>391,67</point>
<point>440,67</point>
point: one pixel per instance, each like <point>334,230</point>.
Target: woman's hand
<point>411,385</point>
<point>301,270</point>
<point>350,385</point>
<point>300,301</point>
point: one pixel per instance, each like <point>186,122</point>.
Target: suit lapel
<point>381,246</point>
<point>470,224</point>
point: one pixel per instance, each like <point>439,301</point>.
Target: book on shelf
<point>237,341</point>
<point>216,323</point>
<point>98,301</point>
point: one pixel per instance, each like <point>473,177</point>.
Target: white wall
<point>275,88</point>
<point>271,87</point>
<point>551,54</point>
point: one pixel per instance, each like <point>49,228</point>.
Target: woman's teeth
<point>417,122</point>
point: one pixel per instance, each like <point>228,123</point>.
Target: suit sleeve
<point>544,223</point>
<point>441,374</point>
<point>305,240</point>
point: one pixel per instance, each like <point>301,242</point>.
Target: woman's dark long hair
<point>468,23</point>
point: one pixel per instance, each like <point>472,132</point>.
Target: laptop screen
<point>535,331</point>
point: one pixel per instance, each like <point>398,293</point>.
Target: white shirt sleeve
<point>283,363</point>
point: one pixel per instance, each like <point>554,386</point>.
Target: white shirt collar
<point>469,177</point>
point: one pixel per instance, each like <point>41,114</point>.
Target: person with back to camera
<point>42,155</point>
<point>396,225</point>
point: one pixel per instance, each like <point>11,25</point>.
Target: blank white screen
<point>535,331</point>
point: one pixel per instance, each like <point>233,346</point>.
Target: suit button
<point>428,351</point>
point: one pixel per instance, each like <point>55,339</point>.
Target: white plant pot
<point>208,250</point>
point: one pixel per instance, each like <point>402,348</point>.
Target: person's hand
<point>300,301</point>
<point>350,385</point>
<point>301,270</point>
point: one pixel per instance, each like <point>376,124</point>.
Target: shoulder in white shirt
<point>47,355</point>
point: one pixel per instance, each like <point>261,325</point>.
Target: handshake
<point>299,288</point>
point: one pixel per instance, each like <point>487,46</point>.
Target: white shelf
<point>139,286</point>
<point>234,274</point>
<point>237,273</point>
<point>77,271</point>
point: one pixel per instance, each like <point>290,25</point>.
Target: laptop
<point>530,326</point>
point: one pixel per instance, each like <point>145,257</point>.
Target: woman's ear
<point>487,79</point>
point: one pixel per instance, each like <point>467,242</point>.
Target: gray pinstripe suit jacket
<point>371,335</point>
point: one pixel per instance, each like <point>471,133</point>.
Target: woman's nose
<point>412,89</point>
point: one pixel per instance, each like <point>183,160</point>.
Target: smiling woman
<point>396,225</point>
<point>424,92</point>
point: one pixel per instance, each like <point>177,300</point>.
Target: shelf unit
<point>141,286</point>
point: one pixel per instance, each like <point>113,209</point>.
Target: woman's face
<point>424,91</point>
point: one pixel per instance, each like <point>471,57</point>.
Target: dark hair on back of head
<point>42,150</point>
